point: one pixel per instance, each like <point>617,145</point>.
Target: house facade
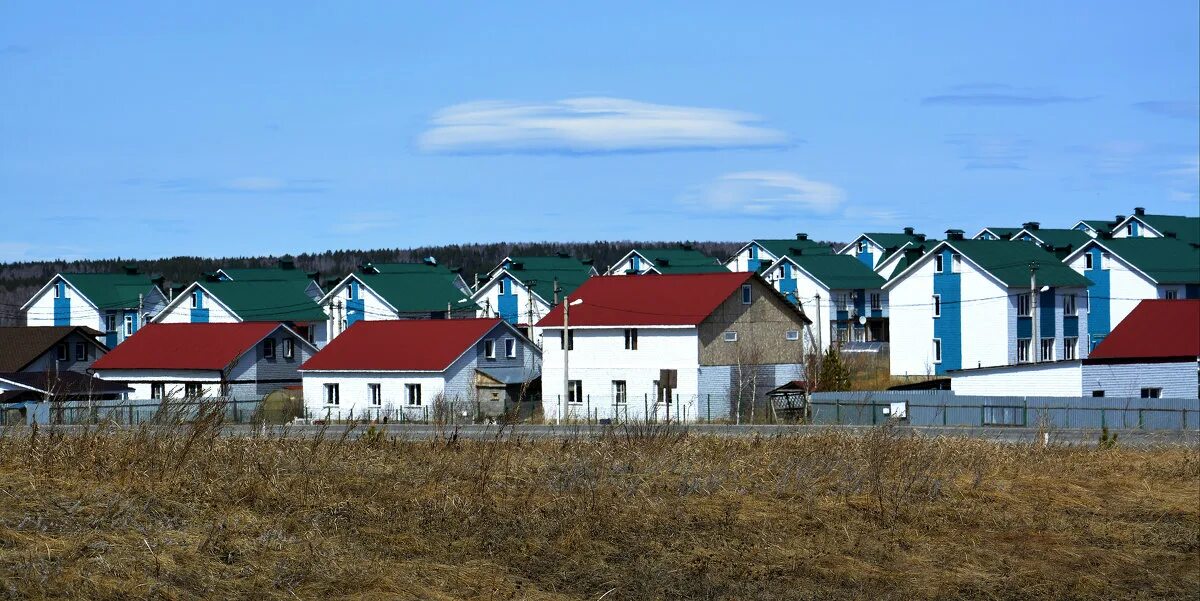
<point>422,369</point>
<point>996,233</point>
<point>1144,225</point>
<point>1125,271</point>
<point>683,259</point>
<point>395,293</point>
<point>242,361</point>
<point>840,293</point>
<point>522,289</point>
<point>875,249</point>
<point>968,303</point>
<point>218,300</point>
<point>679,347</point>
<point>115,304</point>
<point>757,255</point>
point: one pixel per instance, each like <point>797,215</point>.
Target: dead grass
<point>181,513</point>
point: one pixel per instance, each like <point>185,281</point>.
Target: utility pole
<point>1035,345</point>
<point>566,344</point>
<point>820,328</point>
<point>141,304</point>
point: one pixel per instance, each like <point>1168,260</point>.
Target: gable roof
<point>265,273</point>
<point>1003,233</point>
<point>1165,260</point>
<point>1102,226</point>
<point>785,247</point>
<point>1155,329</point>
<point>422,267</point>
<point>1184,228</point>
<point>205,346</point>
<point>838,272</point>
<point>539,273</point>
<point>416,291</point>
<point>680,260</point>
<point>891,242</point>
<point>1061,242</point>
<point>401,345</point>
<point>111,290</point>
<point>668,300</point>
<point>21,345</point>
<point>1008,262</point>
<point>266,300</point>
<point>907,255</point>
<point>61,384</point>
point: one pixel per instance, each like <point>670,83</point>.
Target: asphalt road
<point>528,431</point>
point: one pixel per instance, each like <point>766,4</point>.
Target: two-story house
<point>522,289</point>
<point>840,293</point>
<point>1061,242</point>
<point>1143,225</point>
<point>116,304</point>
<point>422,369</point>
<point>968,303</point>
<point>761,253</point>
<point>396,291</point>
<point>218,300</point>
<point>683,259</point>
<point>882,251</point>
<point>243,361</point>
<point>40,363</point>
<point>680,347</point>
<point>1124,271</point>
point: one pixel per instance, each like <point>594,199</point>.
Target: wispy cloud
<point>1179,109</point>
<point>15,49</point>
<point>252,184</point>
<point>357,223</point>
<point>591,125</point>
<point>999,95</point>
<point>990,152</point>
<point>764,193</point>
<point>1184,181</point>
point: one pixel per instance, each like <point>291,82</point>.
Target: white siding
<point>374,307</point>
<point>41,312</point>
<point>139,380</point>
<point>1177,380</point>
<point>354,396</point>
<point>1060,379</point>
<point>180,311</point>
<point>599,357</point>
<point>627,264</point>
<point>873,249</point>
<point>911,322</point>
<point>985,309</point>
<point>1127,288</point>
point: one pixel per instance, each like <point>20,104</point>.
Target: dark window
<point>575,391</point>
<point>1098,393</point>
<point>620,394</point>
<point>269,348</point>
<point>158,390</point>
<point>489,349</point>
<point>81,351</point>
<point>1151,393</point>
<point>289,348</point>
<point>937,350</point>
<point>510,347</point>
<point>631,339</point>
<point>937,263</point>
<point>412,394</point>
<point>747,294</point>
<point>63,352</point>
<point>375,392</point>
<point>333,396</point>
<point>1087,261</point>
<point>193,390</point>
<point>937,305</point>
<point>570,340</point>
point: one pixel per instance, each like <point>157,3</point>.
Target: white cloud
<point>256,184</point>
<point>591,125</point>
<point>765,193</point>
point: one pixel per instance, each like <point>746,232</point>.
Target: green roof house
<point>996,233</point>
<point>1061,242</point>
<point>218,300</point>
<point>522,289</point>
<point>116,304</point>
<point>885,251</point>
<point>841,294</point>
<point>682,259</point>
<point>1143,225</point>
<point>759,254</point>
<point>397,291</point>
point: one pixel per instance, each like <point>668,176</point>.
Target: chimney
<point>158,281</point>
<point>1031,225</point>
<point>954,234</point>
<point>130,269</point>
<point>802,236</point>
<point>920,237</point>
<point>908,231</point>
<point>686,246</point>
<point>1170,235</point>
<point>1139,211</point>
<point>588,261</point>
<point>1119,219</point>
<point>287,263</point>
<point>562,254</point>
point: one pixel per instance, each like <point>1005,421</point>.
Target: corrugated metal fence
<point>944,408</point>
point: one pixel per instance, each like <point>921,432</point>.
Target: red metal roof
<point>208,346</point>
<point>642,300</point>
<point>1155,329</point>
<point>400,345</point>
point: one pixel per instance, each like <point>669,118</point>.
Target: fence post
<point>646,407</point>
<point>1068,416</point>
<point>708,411</point>
<point>945,414</point>
<point>1025,412</point>
<point>1141,424</point>
<point>588,409</point>
<point>872,406</point>
<point>837,411</point>
<point>1103,422</point>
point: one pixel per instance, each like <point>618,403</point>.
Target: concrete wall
<point>1177,380</point>
<point>761,329</point>
<point>1058,379</point>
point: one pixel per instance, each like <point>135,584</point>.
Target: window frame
<point>268,348</point>
<point>747,294</point>
<point>1070,301</point>
<point>937,350</point>
<point>58,290</point>
<point>1097,394</point>
<point>110,322</point>
<point>575,392</point>
<point>128,328</point>
<point>939,263</point>
<point>791,335</point>
<point>631,339</point>
<point>81,351</point>
<point>1170,294</point>
<point>489,348</point>
<point>1026,345</point>
<point>729,336</point>
<point>620,390</point>
<point>413,395</point>
<point>158,391</point>
<point>195,299</point>
<point>876,299</point>
<point>1088,261</point>
<point>289,348</point>
<point>1070,348</point>
<point>510,348</point>
<point>193,390</point>
<point>1152,393</point>
<point>332,393</point>
<point>375,394</point>
<point>937,305</point>
<point>1025,304</point>
<point>1042,354</point>
<point>566,340</point>
<point>64,352</point>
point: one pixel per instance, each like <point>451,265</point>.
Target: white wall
<point>873,249</point>
<point>41,312</point>
<point>181,310</point>
<point>1177,380</point>
<point>984,309</point>
<point>354,396</point>
<point>599,357</point>
<point>374,307</point>
<point>627,264</point>
<point>488,299</point>
<point>1060,379</point>
<point>140,380</point>
<point>911,322</point>
<point>1127,287</point>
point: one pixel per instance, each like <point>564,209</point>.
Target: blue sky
<point>142,130</point>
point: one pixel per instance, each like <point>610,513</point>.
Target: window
<point>158,390</point>
<point>58,291</point>
<point>747,294</point>
<point>1087,261</point>
<point>1023,349</point>
<point>937,263</point>
<point>1151,393</point>
<point>1068,305</point>
<point>1047,350</point>
<point>333,395</point>
<point>1105,261</point>
<point>956,263</point>
<point>510,347</point>
<point>792,335</point>
<point>1070,348</point>
<point>489,349</point>
<point>81,351</point>
<point>862,246</point>
<point>375,393</point>
<point>1098,394</point>
<point>193,390</point>
<point>840,301</point>
<point>570,339</point>
<point>937,350</point>
<point>129,325</point>
<point>1129,229</point>
<point>412,394</point>
<point>575,391</point>
<point>289,348</point>
<point>937,305</point>
<point>63,352</point>
<point>631,339</point>
<point>196,299</point>
<point>730,336</point>
<point>110,323</point>
<point>269,348</point>
<point>1023,306</point>
<point>1170,294</point>
<point>876,302</point>
<point>620,392</point>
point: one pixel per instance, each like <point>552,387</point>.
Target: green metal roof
<point>1184,228</point>
<point>839,272</point>
<point>418,292</point>
<point>1008,261</point>
<point>1003,231</point>
<point>793,246</point>
<point>265,274</point>
<point>267,300</point>
<point>539,273</point>
<point>910,254</point>
<point>681,260</point>
<point>1100,225</point>
<point>1064,241</point>
<point>893,242</point>
<point>1166,260</point>
<point>409,268</point>
<point>111,290</point>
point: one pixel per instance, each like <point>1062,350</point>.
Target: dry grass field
<point>182,513</point>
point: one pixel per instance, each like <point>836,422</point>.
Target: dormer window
<point>862,246</point>
<point>196,299</point>
<point>937,263</point>
<point>1087,261</point>
<point>269,348</point>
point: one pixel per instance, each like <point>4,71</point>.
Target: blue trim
<point>864,256</point>
<point>754,263</point>
<point>1071,326</point>
<point>199,312</point>
<point>860,303</point>
<point>636,262</point>
<point>1024,327</point>
<point>1134,229</point>
<point>62,305</point>
<point>355,305</point>
<point>1046,323</point>
<point>1099,304</point>
<point>507,303</point>
<point>1192,291</point>
<point>787,285</point>
<point>948,327</point>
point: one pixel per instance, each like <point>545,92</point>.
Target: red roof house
<point>206,346</point>
<point>1154,330</point>
<point>400,345</point>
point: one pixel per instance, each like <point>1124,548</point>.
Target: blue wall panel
<point>1099,313</point>
<point>62,306</point>
<point>948,327</point>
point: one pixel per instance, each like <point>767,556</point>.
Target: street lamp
<point>566,344</point>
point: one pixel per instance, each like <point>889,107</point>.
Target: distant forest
<point>18,281</point>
